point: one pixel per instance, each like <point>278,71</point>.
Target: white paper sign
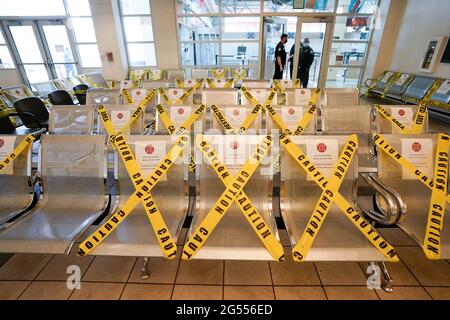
<point>420,153</point>
<point>236,115</point>
<point>404,115</point>
<point>6,147</point>
<point>401,81</point>
<point>302,96</point>
<point>231,149</point>
<point>287,84</point>
<point>386,77</point>
<point>174,94</point>
<point>179,114</point>
<point>189,83</point>
<point>260,95</point>
<point>138,95</point>
<point>219,83</point>
<point>120,118</point>
<point>149,155</point>
<point>291,116</point>
<point>444,88</point>
<point>126,84</point>
<point>324,154</point>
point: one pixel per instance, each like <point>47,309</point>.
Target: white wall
<point>421,20</point>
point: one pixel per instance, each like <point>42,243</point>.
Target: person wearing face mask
<point>280,57</point>
<point>305,60</point>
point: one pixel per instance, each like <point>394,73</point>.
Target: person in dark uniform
<point>305,60</point>
<point>280,57</point>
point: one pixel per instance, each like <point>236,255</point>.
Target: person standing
<point>280,57</point>
<point>306,59</point>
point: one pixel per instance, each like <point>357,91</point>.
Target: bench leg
<point>387,283</point>
<point>379,277</point>
<point>145,271</point>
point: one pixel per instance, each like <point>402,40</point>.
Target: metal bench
<point>102,96</point>
<point>341,97</point>
<point>404,114</point>
<point>173,94</point>
<point>299,97</point>
<point>442,95</point>
<point>235,116</point>
<point>418,88</point>
<point>399,86</point>
<point>71,120</point>
<point>261,94</point>
<point>73,174</point>
<point>220,96</point>
<point>120,114</point>
<point>261,84</point>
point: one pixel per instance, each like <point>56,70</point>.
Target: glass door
<point>273,29</point>
<point>43,49</point>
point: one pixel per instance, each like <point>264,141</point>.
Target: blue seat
<point>418,88</point>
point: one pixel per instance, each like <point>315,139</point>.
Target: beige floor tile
<point>399,273</point>
<point>195,292</point>
<point>439,293</point>
<point>134,291</point>
<point>300,293</point>
<point>98,291</point>
<point>293,273</point>
<point>200,272</point>
<point>11,290</point>
<point>24,266</point>
<point>56,269</point>
<point>350,293</point>
<point>161,271</point>
<point>110,269</point>
<point>46,290</point>
<point>247,273</point>
<point>397,237</point>
<point>429,273</point>
<point>248,293</point>
<point>341,273</point>
<point>404,293</point>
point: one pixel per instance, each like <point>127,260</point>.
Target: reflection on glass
<point>240,28</point>
<point>19,8</point>
<point>135,7</point>
<point>342,77</point>
<point>200,54</point>
<point>352,28</point>
<point>310,6</point>
<point>89,55</point>
<point>241,6</point>
<point>79,7</point>
<point>138,29</point>
<point>58,43</point>
<point>198,28</point>
<point>347,53</point>
<point>26,44</point>
<point>36,73</point>
<point>84,30</point>
<point>65,70</point>
<point>142,54</point>
<point>196,6</point>
<point>5,58</point>
<point>356,6</point>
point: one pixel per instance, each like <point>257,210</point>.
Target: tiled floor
<point>36,276</point>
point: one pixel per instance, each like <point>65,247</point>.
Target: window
<point>288,5</point>
<point>28,8</point>
<point>138,32</point>
<point>83,28</point>
<point>6,62</point>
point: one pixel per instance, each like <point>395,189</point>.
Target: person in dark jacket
<point>280,57</point>
<point>305,60</point>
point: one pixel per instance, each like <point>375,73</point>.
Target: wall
<point>422,20</point>
<point>9,78</point>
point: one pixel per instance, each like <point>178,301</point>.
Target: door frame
<point>276,19</point>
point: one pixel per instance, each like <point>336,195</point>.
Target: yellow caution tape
<point>168,123</point>
<point>180,100</point>
<point>142,193</point>
<point>375,83</point>
<point>384,146</point>
<point>234,193</point>
<point>229,129</point>
<point>254,102</point>
<point>23,147</point>
<point>417,125</point>
<point>227,84</point>
<point>326,199</point>
<point>240,75</point>
<point>282,89</point>
<point>357,219</point>
<point>217,74</point>
<point>436,212</point>
<point>127,96</point>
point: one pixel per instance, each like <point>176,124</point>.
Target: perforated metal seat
<point>44,88</point>
<point>338,239</point>
<point>173,74</point>
<point>74,195</point>
<point>220,96</point>
<point>174,94</point>
<point>442,94</point>
<point>16,191</point>
<point>219,83</point>
<point>291,116</point>
<point>399,86</point>
<point>250,84</point>
<point>102,96</point>
<point>299,97</point>
<point>381,84</point>
<point>420,150</point>
<point>120,114</point>
<point>71,120</point>
<point>261,94</point>
<point>199,73</point>
<point>234,238</point>
<point>418,88</point>
<point>404,114</point>
<point>341,97</point>
<point>235,115</point>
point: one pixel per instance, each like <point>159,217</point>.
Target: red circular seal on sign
<point>149,149</point>
<point>180,111</point>
<point>401,112</point>
<point>416,147</point>
<point>321,147</point>
<point>234,145</point>
<point>219,81</point>
<point>175,92</point>
<point>120,116</point>
<point>189,81</point>
<point>138,93</point>
<point>258,92</point>
<point>303,92</point>
<point>2,143</point>
<point>291,112</point>
<point>236,112</point>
